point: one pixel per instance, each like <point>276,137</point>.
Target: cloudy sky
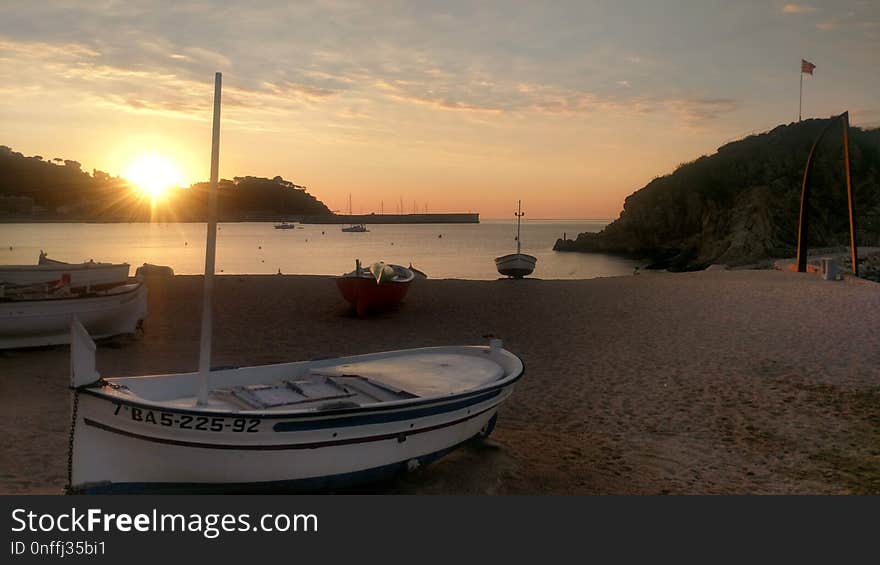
<point>459,106</point>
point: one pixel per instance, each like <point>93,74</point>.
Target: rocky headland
<point>741,204</point>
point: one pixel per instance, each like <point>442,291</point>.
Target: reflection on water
<point>464,251</point>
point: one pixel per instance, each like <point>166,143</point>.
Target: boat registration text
<point>187,421</point>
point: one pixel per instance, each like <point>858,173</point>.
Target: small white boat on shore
<point>88,274</point>
<point>516,265</point>
<point>35,322</point>
<point>285,226</point>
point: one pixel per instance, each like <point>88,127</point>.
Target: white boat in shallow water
<point>46,320</point>
<point>309,424</point>
<point>303,425</point>
<point>516,265</point>
<point>82,275</point>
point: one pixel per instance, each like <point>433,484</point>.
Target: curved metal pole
<point>803,219</point>
<point>805,196</point>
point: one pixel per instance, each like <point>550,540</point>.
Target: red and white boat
<point>378,288</point>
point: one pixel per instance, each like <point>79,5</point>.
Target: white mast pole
<point>210,249</point>
<point>518,217</point>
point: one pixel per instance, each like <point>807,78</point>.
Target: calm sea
<point>463,251</point>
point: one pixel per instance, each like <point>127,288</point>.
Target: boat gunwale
<point>302,414</point>
<point>367,275</point>
<point>61,266</point>
<point>137,285</point>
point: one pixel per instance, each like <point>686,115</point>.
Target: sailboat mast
<point>210,251</point>
<point>518,218</point>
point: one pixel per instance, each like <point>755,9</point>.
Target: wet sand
<point>709,382</point>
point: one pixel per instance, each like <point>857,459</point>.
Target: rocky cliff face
<point>741,204</point>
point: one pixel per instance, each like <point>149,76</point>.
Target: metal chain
<point>104,383</point>
<point>70,441</point>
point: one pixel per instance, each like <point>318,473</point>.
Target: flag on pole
<point>807,67</point>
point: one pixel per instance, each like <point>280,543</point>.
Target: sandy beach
<point>706,382</point>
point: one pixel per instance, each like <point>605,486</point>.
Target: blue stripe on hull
<point>383,418</point>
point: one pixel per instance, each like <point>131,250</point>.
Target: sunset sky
<point>463,106</point>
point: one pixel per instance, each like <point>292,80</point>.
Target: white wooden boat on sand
<point>308,424</point>
<point>516,265</point>
<point>82,275</point>
<point>303,425</point>
<point>46,320</point>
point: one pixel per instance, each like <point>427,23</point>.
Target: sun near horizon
<point>153,175</point>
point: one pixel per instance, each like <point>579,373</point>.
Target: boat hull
<point>93,275</point>
<point>35,323</point>
<point>366,296</point>
<point>516,265</point>
<point>125,447</point>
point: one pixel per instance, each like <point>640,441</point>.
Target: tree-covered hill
<point>741,204</point>
<point>33,189</point>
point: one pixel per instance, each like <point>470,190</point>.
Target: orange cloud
<point>798,9</point>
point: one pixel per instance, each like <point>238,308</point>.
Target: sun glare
<point>153,175</point>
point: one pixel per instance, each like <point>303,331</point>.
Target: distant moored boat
<point>355,228</point>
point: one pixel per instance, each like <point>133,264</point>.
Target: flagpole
<point>801,103</point>
<point>210,248</point>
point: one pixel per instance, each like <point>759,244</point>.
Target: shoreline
<point>706,382</point>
